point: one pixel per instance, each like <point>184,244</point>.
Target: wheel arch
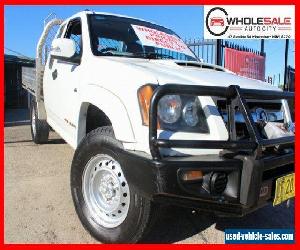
<point>110,108</point>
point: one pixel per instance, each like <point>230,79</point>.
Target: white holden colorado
<point>151,124</point>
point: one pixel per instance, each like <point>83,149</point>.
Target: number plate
<point>285,188</point>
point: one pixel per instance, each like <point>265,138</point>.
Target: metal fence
<point>243,61</point>
<point>204,49</point>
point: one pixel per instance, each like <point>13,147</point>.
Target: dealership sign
<point>245,63</point>
<point>249,22</point>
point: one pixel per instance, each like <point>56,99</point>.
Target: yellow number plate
<point>285,189</point>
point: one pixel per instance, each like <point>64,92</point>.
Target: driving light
<point>218,183</point>
<point>169,108</point>
<point>190,113</point>
<point>215,182</point>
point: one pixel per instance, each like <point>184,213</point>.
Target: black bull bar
<point>235,97</point>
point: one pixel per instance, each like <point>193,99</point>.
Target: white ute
<point>151,124</point>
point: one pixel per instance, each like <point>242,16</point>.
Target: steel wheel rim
<point>33,121</point>
<point>105,191</point>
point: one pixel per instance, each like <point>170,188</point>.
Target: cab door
<point>61,87</point>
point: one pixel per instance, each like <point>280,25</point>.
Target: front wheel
<point>108,205</point>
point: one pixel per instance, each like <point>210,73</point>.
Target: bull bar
<point>246,164</point>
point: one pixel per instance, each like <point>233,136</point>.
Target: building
<point>14,95</point>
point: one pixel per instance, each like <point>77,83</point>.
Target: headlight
<point>181,113</point>
<point>169,108</point>
<point>190,112</point>
<point>174,112</point>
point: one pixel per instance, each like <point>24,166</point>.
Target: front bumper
<point>159,180</point>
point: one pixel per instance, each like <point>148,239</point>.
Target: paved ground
<point>39,209</point>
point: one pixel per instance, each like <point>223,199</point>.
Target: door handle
<point>75,90</point>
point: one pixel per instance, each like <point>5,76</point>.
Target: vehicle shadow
<point>267,217</point>
<point>56,141</point>
<point>50,141</point>
<point>176,224</point>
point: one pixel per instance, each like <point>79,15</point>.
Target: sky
<point>24,24</point>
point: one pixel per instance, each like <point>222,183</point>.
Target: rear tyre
<point>39,128</point>
<point>108,205</point>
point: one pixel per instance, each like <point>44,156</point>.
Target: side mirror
<point>63,48</point>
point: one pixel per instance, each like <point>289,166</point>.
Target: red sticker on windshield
<point>160,39</point>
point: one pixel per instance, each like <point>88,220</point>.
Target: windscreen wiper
<point>153,55</point>
<point>113,53</point>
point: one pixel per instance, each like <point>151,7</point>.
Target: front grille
<point>273,109</point>
<point>271,106</point>
<point>241,131</point>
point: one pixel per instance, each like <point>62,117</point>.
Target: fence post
<point>219,52</point>
<point>262,47</point>
<point>285,77</point>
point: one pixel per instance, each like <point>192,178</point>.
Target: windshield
<point>127,37</point>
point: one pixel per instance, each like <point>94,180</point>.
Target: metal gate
<point>243,61</point>
<point>204,49</point>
